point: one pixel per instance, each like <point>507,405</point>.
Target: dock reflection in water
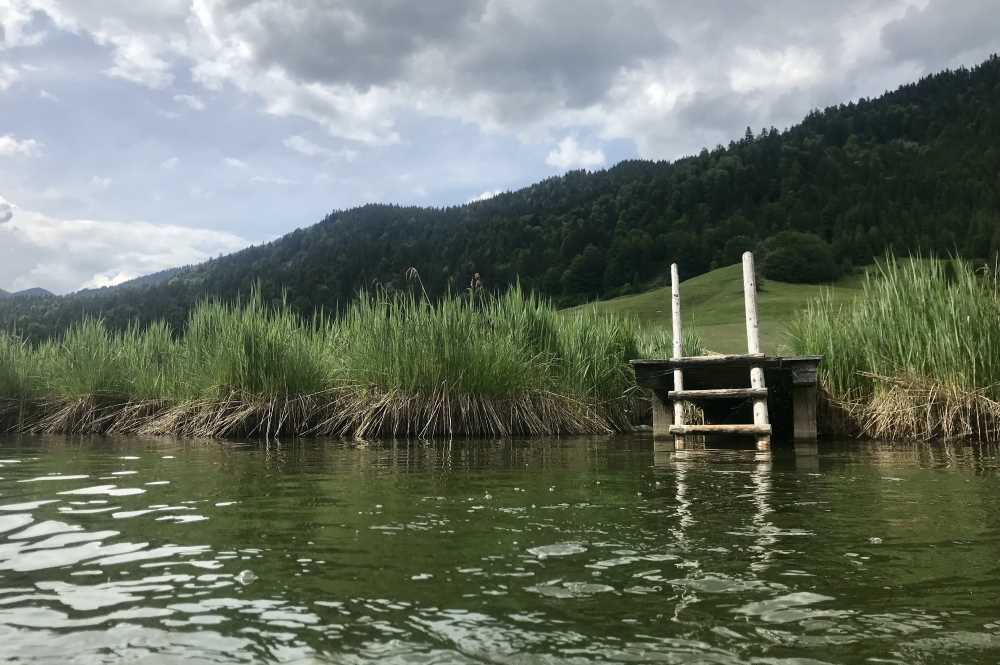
<point>573,550</point>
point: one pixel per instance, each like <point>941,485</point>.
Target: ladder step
<point>700,361</point>
<point>717,393</point>
<point>721,429</point>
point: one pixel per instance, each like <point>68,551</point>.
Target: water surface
<point>553,551</point>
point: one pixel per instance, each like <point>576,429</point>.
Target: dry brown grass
<point>914,408</point>
<point>356,412</point>
<point>920,408</point>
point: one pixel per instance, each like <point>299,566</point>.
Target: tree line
<point>914,170</point>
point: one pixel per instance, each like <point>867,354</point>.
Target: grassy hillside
<point>712,304</point>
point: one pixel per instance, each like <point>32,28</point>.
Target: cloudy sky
<point>136,136</point>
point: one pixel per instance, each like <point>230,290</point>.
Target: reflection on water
<point>577,550</point>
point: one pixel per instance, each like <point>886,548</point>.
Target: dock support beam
<point>804,412</point>
<point>678,347</point>
<point>663,416</point>
<point>753,347</point>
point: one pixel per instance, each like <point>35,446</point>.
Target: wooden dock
<point>747,394</point>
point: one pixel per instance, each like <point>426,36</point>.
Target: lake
<point>545,551</point>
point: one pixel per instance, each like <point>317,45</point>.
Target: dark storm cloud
<point>362,44</point>
<point>574,49</point>
<point>521,55</point>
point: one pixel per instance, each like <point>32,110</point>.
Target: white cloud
<point>193,102</point>
<point>100,182</point>
<point>170,163</point>
<point>33,249</point>
<point>366,117</point>
<point>236,163</point>
<point>109,278</point>
<point>570,155</point>
<point>137,59</point>
<point>756,69</point>
<point>15,25</point>
<point>48,96</point>
<point>488,194</point>
<point>306,147</point>
<point>12,146</point>
<point>8,76</point>
<point>271,180</point>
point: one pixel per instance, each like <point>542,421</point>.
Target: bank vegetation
<point>915,355</point>
<point>391,365</point>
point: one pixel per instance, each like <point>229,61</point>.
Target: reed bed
<point>916,355</point>
<point>391,365</point>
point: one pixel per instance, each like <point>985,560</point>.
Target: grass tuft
<point>915,355</point>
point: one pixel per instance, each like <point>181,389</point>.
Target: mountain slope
<point>913,170</point>
<point>36,292</point>
<point>152,279</point>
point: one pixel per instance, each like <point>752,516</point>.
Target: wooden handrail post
<point>678,347</point>
<point>753,346</point>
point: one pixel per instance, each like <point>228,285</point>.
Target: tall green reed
<point>916,319</point>
<point>511,361</point>
<point>16,363</point>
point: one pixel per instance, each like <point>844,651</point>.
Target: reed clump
<point>391,365</point>
<point>915,355</point>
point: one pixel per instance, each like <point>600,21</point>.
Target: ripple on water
<point>54,477</point>
<point>789,607</point>
<point>30,505</point>
<point>104,490</point>
<point>46,528</point>
<point>560,589</point>
<point>623,579</point>
<point>557,550</point>
<point>723,584</point>
<point>15,521</point>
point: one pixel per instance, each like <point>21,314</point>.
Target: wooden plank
<point>742,359</point>
<point>757,430</point>
<point>753,346</point>
<point>678,344</point>
<point>802,368</point>
<point>717,393</point>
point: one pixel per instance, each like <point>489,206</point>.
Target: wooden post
<point>663,416</point>
<point>753,346</point>
<point>678,347</point>
<point>804,412</point>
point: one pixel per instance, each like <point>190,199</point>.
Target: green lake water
<point>549,551</point>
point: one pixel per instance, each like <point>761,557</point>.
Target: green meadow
<point>712,304</point>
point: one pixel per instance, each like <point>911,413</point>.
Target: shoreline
<point>343,413</point>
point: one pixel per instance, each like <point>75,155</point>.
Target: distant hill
<point>35,292</point>
<point>914,170</point>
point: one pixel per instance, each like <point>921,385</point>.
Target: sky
<point>139,136</point>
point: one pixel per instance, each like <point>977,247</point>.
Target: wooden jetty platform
<point>748,394</point>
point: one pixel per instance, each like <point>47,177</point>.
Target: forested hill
<point>917,169</point>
